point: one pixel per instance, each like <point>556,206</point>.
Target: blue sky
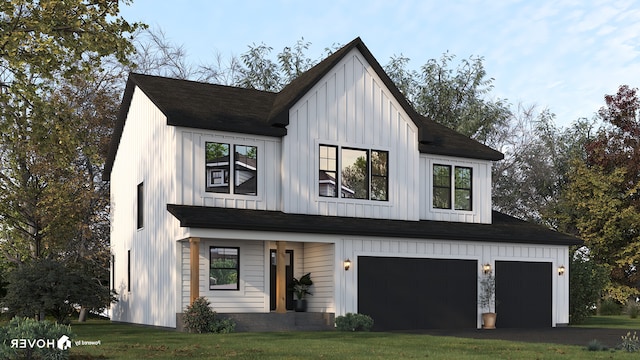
<point>564,55</point>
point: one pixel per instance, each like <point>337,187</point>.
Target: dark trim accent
<point>505,229</point>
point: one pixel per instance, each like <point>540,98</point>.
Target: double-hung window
<point>452,187</point>
<point>353,173</point>
<point>218,168</point>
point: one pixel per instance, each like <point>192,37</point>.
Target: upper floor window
<point>218,160</point>
<point>452,185</point>
<point>359,173</point>
<point>224,268</point>
<point>140,206</point>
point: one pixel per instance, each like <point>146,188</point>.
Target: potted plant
<point>488,301</point>
<point>300,288</point>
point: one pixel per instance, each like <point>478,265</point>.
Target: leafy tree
<point>530,180</point>
<point>454,98</point>
<point>57,106</point>
<point>586,284</point>
<point>603,194</point>
<point>51,287</point>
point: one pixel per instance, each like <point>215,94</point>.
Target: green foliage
<point>25,328</point>
<point>632,308</point>
<point>200,318</point>
<point>354,322</point>
<point>595,345</point>
<point>587,280</point>
<point>52,287</point>
<point>630,343</point>
<point>456,98</point>
<point>487,299</point>
<point>300,287</point>
<point>609,307</point>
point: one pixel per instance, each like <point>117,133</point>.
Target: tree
<point>604,194</point>
<point>57,106</point>
<point>586,283</point>
<point>454,98</point>
<point>529,181</point>
<point>51,287</point>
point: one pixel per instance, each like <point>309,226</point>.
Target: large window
<point>359,173</point>
<point>224,271</point>
<point>452,187</point>
<point>219,158</point>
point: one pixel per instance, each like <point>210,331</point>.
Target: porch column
<point>194,265</point>
<point>281,277</point>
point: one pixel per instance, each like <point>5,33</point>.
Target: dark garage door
<point>409,293</point>
<point>523,294</point>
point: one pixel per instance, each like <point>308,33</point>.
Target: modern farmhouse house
<point>229,193</point>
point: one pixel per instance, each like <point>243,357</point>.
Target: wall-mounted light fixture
<point>347,264</point>
<point>486,268</point>
<point>561,270</point>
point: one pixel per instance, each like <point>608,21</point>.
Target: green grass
<point>612,322</point>
<point>121,341</point>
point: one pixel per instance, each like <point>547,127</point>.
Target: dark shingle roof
<point>225,108</point>
<point>504,228</point>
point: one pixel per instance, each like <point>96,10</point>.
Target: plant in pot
<point>300,288</point>
<point>487,301</point>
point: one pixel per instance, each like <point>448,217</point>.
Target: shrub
<point>610,307</point>
<point>33,330</point>
<point>595,345</point>
<point>354,322</point>
<point>632,309</point>
<point>586,283</point>
<point>630,343</point>
<point>200,318</point>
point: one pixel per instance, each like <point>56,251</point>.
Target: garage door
<point>523,294</point>
<point>409,293</point>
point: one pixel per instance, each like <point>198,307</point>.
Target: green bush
<point>632,309</point>
<point>354,322</point>
<point>32,339</point>
<point>595,345</point>
<point>610,307</point>
<point>200,318</point>
<point>586,283</point>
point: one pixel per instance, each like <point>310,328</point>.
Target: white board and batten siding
<point>192,164</point>
<point>350,107</point>
<point>480,193</point>
<point>146,154</point>
<point>445,249</point>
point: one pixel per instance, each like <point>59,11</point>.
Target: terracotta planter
<point>489,320</point>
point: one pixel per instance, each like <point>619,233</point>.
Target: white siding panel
<point>192,170</point>
<point>350,107</point>
<point>481,191</point>
<point>146,154</point>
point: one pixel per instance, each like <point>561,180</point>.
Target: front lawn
<point>120,341</point>
<point>612,322</point>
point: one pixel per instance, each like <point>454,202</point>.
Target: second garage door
<point>523,294</point>
<point>410,293</point>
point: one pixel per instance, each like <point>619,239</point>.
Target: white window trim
<point>474,186</point>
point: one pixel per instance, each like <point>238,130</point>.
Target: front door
<point>289,279</point>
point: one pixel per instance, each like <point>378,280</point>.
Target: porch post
<point>194,264</point>
<point>281,277</point>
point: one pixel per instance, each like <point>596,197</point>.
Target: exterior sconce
<point>486,268</point>
<point>347,264</point>
<point>561,270</point>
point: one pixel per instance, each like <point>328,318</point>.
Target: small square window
<point>224,270</point>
